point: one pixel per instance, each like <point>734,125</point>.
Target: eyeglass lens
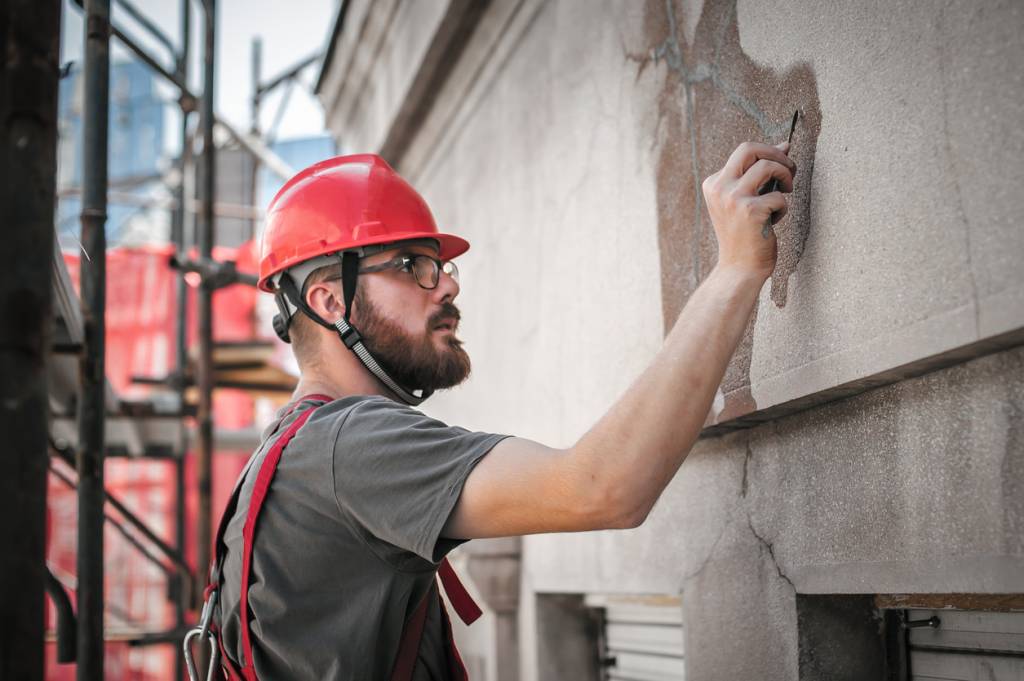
<point>451,270</point>
<point>426,271</point>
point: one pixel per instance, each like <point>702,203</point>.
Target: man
<point>337,579</point>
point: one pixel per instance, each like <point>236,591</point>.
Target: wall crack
<point>770,548</point>
<point>746,466</point>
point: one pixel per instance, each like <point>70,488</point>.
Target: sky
<point>290,31</point>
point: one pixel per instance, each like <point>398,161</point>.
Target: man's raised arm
<point>613,475</point>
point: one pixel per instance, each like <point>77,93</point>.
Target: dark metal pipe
<point>180,593</point>
<point>288,74</point>
<point>147,58</point>
<point>144,56</point>
<point>142,20</point>
<point>216,273</point>
<point>204,458</point>
<point>91,410</point>
<point>66,626</point>
<point>29,75</point>
<point>178,217</point>
<point>255,66</point>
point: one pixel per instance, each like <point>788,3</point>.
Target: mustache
<point>447,311</point>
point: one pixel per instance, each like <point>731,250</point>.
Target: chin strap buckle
<point>347,332</point>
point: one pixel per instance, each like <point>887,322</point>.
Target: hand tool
<point>773,186</point>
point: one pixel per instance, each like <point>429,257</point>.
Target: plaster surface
<point>374,66</point>
<point>560,290</point>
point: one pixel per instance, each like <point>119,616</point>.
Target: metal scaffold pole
<point>256,67</point>
<point>29,32</point>
<point>181,297</point>
<point>207,192</point>
<point>91,409</point>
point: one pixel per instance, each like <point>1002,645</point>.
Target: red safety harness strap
<point>412,633</point>
<point>463,603</point>
<point>259,494</point>
<point>465,607</point>
<point>233,673</point>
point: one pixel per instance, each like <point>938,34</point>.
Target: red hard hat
<point>343,203</point>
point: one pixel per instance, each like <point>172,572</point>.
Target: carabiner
<point>203,632</point>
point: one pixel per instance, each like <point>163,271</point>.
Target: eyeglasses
<point>424,268</point>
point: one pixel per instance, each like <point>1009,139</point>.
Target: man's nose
<point>447,288</point>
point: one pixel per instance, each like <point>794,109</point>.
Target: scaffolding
<point>48,335</point>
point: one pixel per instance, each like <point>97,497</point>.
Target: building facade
<point>862,470</point>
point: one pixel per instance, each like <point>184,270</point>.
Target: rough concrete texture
<point>901,242</point>
<point>914,247</point>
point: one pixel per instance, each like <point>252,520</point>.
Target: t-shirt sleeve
<point>398,473</point>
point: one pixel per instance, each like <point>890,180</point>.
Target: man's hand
<point>739,213</point>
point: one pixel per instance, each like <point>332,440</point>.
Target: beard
<point>414,362</point>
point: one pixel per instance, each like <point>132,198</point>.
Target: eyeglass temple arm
<point>390,264</point>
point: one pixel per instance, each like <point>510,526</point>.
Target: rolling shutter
<point>642,637</point>
<point>967,645</point>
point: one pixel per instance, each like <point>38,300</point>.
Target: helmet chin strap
<point>354,342</point>
<point>349,334</point>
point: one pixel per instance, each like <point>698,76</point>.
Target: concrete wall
<point>567,141</point>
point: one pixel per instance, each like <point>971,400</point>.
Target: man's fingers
<point>749,153</point>
<point>762,172</point>
<point>772,205</point>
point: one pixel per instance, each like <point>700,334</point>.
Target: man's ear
<point>325,298</point>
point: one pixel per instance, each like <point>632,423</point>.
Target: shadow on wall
<point>714,97</point>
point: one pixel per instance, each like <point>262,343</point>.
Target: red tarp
<point>141,322</point>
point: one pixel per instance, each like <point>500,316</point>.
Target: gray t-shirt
<point>348,541</point>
